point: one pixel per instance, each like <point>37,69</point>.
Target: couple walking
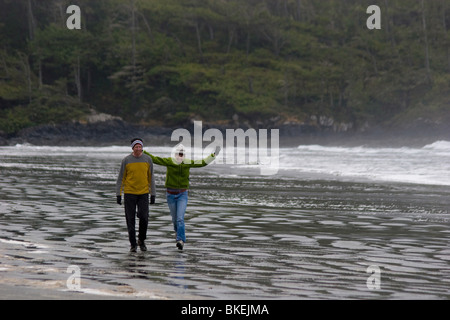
<point>136,180</point>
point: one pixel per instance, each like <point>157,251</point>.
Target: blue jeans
<point>177,206</point>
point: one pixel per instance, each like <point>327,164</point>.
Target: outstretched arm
<point>159,160</point>
<point>205,161</point>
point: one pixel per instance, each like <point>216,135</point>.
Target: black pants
<point>141,202</point>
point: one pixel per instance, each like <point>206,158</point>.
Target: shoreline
<point>118,132</point>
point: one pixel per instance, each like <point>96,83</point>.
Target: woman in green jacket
<point>177,184</point>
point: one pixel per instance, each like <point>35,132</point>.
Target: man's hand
<point>152,199</point>
<point>119,199</point>
<point>217,151</point>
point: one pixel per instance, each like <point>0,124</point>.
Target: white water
<point>427,165</point>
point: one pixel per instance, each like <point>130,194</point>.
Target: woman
<point>177,184</point>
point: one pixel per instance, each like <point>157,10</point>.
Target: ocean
<point>332,223</point>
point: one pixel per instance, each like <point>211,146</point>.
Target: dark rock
<point>119,132</point>
<point>75,133</point>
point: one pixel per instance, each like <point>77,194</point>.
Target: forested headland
<point>260,63</point>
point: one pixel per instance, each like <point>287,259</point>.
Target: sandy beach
<point>295,235</point>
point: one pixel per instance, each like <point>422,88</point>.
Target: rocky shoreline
<point>115,131</point>
<point>83,134</point>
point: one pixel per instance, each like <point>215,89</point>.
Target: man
<point>177,184</point>
<point>137,181</point>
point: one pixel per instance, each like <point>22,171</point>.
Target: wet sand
<point>249,237</point>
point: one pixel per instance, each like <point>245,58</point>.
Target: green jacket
<point>177,176</point>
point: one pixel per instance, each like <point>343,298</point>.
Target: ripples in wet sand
<point>248,237</point>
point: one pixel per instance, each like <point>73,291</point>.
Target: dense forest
<point>264,62</point>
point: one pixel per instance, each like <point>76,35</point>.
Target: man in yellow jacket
<point>137,182</point>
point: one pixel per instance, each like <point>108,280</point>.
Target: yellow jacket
<point>136,176</point>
